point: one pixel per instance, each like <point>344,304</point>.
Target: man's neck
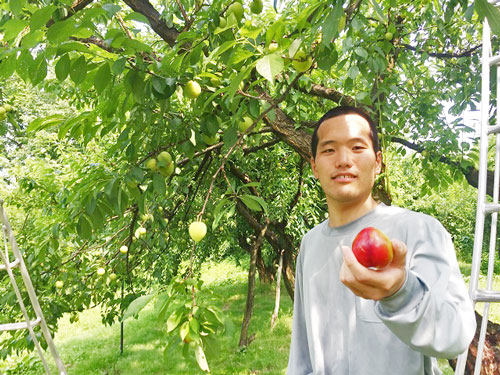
<point>344,213</point>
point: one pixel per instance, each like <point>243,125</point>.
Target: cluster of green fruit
<point>163,164</point>
<point>3,111</point>
<point>197,231</point>
<point>236,9</point>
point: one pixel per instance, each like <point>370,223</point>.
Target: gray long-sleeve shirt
<point>335,332</point>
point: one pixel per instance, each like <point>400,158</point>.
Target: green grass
<point>89,348</point>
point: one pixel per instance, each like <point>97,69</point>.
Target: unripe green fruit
<point>151,164</point>
<point>237,9</point>
<point>273,47</point>
<point>139,232</point>
<point>301,62</point>
<point>256,6</point>
<point>165,157</point>
<point>245,124</point>
<point>388,36</point>
<point>210,140</point>
<point>124,249</point>
<point>222,22</point>
<point>101,271</point>
<point>59,284</point>
<point>7,107</point>
<point>197,230</point>
<point>168,170</point>
<point>192,90</point>
<point>215,81</point>
<point>3,111</point>
<point>113,277</point>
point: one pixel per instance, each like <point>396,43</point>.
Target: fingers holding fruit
<point>375,268</point>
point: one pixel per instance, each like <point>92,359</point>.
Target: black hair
<point>345,110</point>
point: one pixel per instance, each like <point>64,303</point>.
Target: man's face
<point>346,164</point>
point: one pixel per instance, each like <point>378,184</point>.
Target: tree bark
<point>276,242</point>
<point>265,273</point>
<point>244,339</point>
<point>168,34</point>
<point>491,351</point>
<point>274,317</point>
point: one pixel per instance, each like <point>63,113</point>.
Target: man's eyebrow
<point>351,140</point>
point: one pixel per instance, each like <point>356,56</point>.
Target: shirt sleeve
<point>432,312</point>
<point>299,361</point>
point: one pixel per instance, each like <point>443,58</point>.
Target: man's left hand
<point>374,284</point>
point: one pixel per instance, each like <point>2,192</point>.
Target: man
<point>351,320</point>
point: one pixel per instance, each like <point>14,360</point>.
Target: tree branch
<point>168,34</point>
<point>249,150</point>
<point>328,93</point>
<point>458,55</point>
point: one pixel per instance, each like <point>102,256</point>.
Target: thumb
<point>399,253</point>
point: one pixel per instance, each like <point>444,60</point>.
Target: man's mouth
<point>344,177</point>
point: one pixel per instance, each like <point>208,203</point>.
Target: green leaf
<point>230,137</point>
<point>331,25</point>
<point>137,305</point>
<point>250,202</point>
<point>12,28</point>
<point>220,50</point>
<point>119,65</point>
<point>61,31</point>
<point>62,67</point>
<point>260,201</point>
<point>135,81</point>
<point>41,17</point>
<point>379,13</point>
<point>84,227</point>
<point>44,122</point>
<point>269,66</point>
<point>218,212</point>
<point>78,70</point>
<point>17,5</point>
<point>24,64</point>
<point>111,9</point>
<point>33,38</point>
<point>136,45</point>
<point>134,16</point>
<point>102,77</point>
<point>201,358</point>
<point>353,72</point>
<point>39,70</point>
<point>159,184</point>
<point>8,66</point>
<point>491,12</point>
<point>184,330</point>
<point>294,47</point>
<point>360,51</point>
<point>174,319</point>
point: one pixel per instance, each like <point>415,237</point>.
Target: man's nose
<point>343,159</point>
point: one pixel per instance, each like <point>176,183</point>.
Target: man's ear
<point>313,167</point>
<point>378,161</point>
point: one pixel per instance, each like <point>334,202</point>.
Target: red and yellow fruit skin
<point>372,248</point>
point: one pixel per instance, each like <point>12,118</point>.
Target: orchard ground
<point>89,348</point>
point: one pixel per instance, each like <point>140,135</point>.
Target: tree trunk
<point>491,350</point>
<point>265,273</point>
<point>244,339</point>
<point>278,292</point>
